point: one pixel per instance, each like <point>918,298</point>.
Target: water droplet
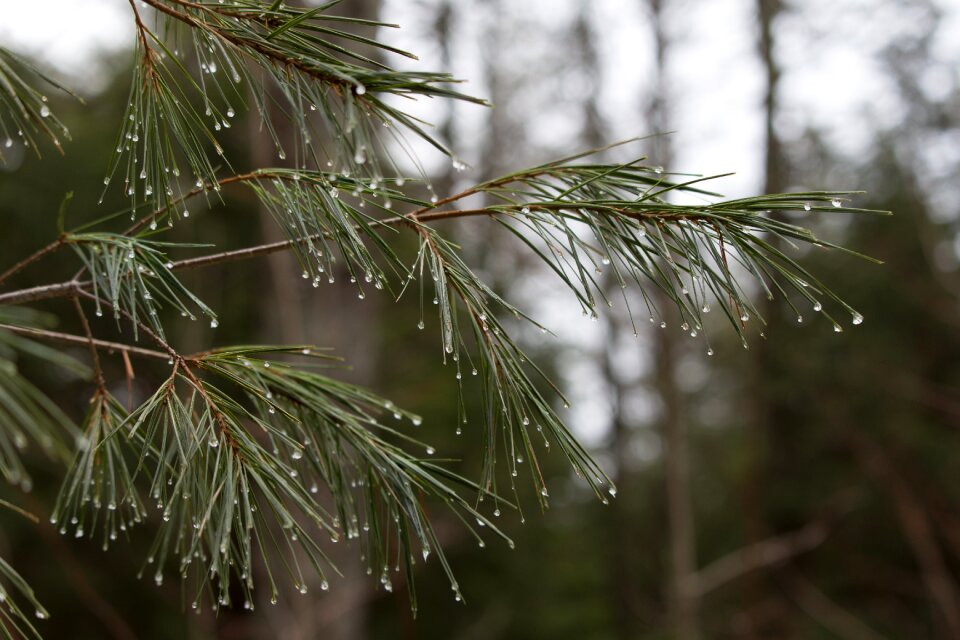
<point>857,318</point>
<point>817,306</point>
<point>297,454</point>
<point>213,442</point>
<point>431,451</point>
<point>836,203</point>
<point>230,112</point>
<point>544,493</point>
<point>44,111</point>
<point>658,169</point>
<point>837,328</point>
<point>214,324</point>
<point>360,89</point>
<point>806,206</point>
<point>9,143</point>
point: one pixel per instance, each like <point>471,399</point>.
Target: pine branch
<point>66,338</point>
<point>295,51</point>
<point>23,109</point>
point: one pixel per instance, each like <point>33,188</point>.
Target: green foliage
<point>25,412</point>
<point>248,453</point>
<point>298,66</point>
<point>134,276</point>
<point>24,113</point>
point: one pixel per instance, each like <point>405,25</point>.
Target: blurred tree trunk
<point>331,315</point>
<point>621,534</point>
<point>684,599</point>
<point>760,398</point>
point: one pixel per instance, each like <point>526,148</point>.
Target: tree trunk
<point>684,599</point>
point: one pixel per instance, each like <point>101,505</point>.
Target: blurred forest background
<point>804,488</point>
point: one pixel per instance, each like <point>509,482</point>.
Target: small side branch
<point>36,255</point>
<point>69,338</point>
<point>94,354</point>
<point>770,552</point>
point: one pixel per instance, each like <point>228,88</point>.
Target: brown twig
<point>36,255</point>
<point>917,529</point>
<point>772,551</point>
<point>69,338</point>
<point>94,354</point>
<point>828,613</point>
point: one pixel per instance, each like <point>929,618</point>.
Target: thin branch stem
<point>94,355</point>
<point>69,338</point>
<point>172,353</point>
<point>244,45</point>
<point>36,255</point>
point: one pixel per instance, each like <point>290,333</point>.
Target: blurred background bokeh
<point>806,487</point>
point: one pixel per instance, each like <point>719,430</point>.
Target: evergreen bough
<point>237,443</point>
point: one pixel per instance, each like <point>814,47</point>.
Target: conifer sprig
<point>15,623</point>
<point>202,60</point>
<point>25,115</point>
<point>134,275</point>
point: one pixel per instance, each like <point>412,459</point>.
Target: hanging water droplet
<point>431,451</point>
<point>806,206</point>
<point>420,325</point>
<point>817,306</point>
<point>658,169</point>
<point>836,203</point>
<point>214,324</point>
<point>44,111</point>
<point>360,89</point>
<point>544,493</point>
<point>9,143</point>
<point>857,318</point>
